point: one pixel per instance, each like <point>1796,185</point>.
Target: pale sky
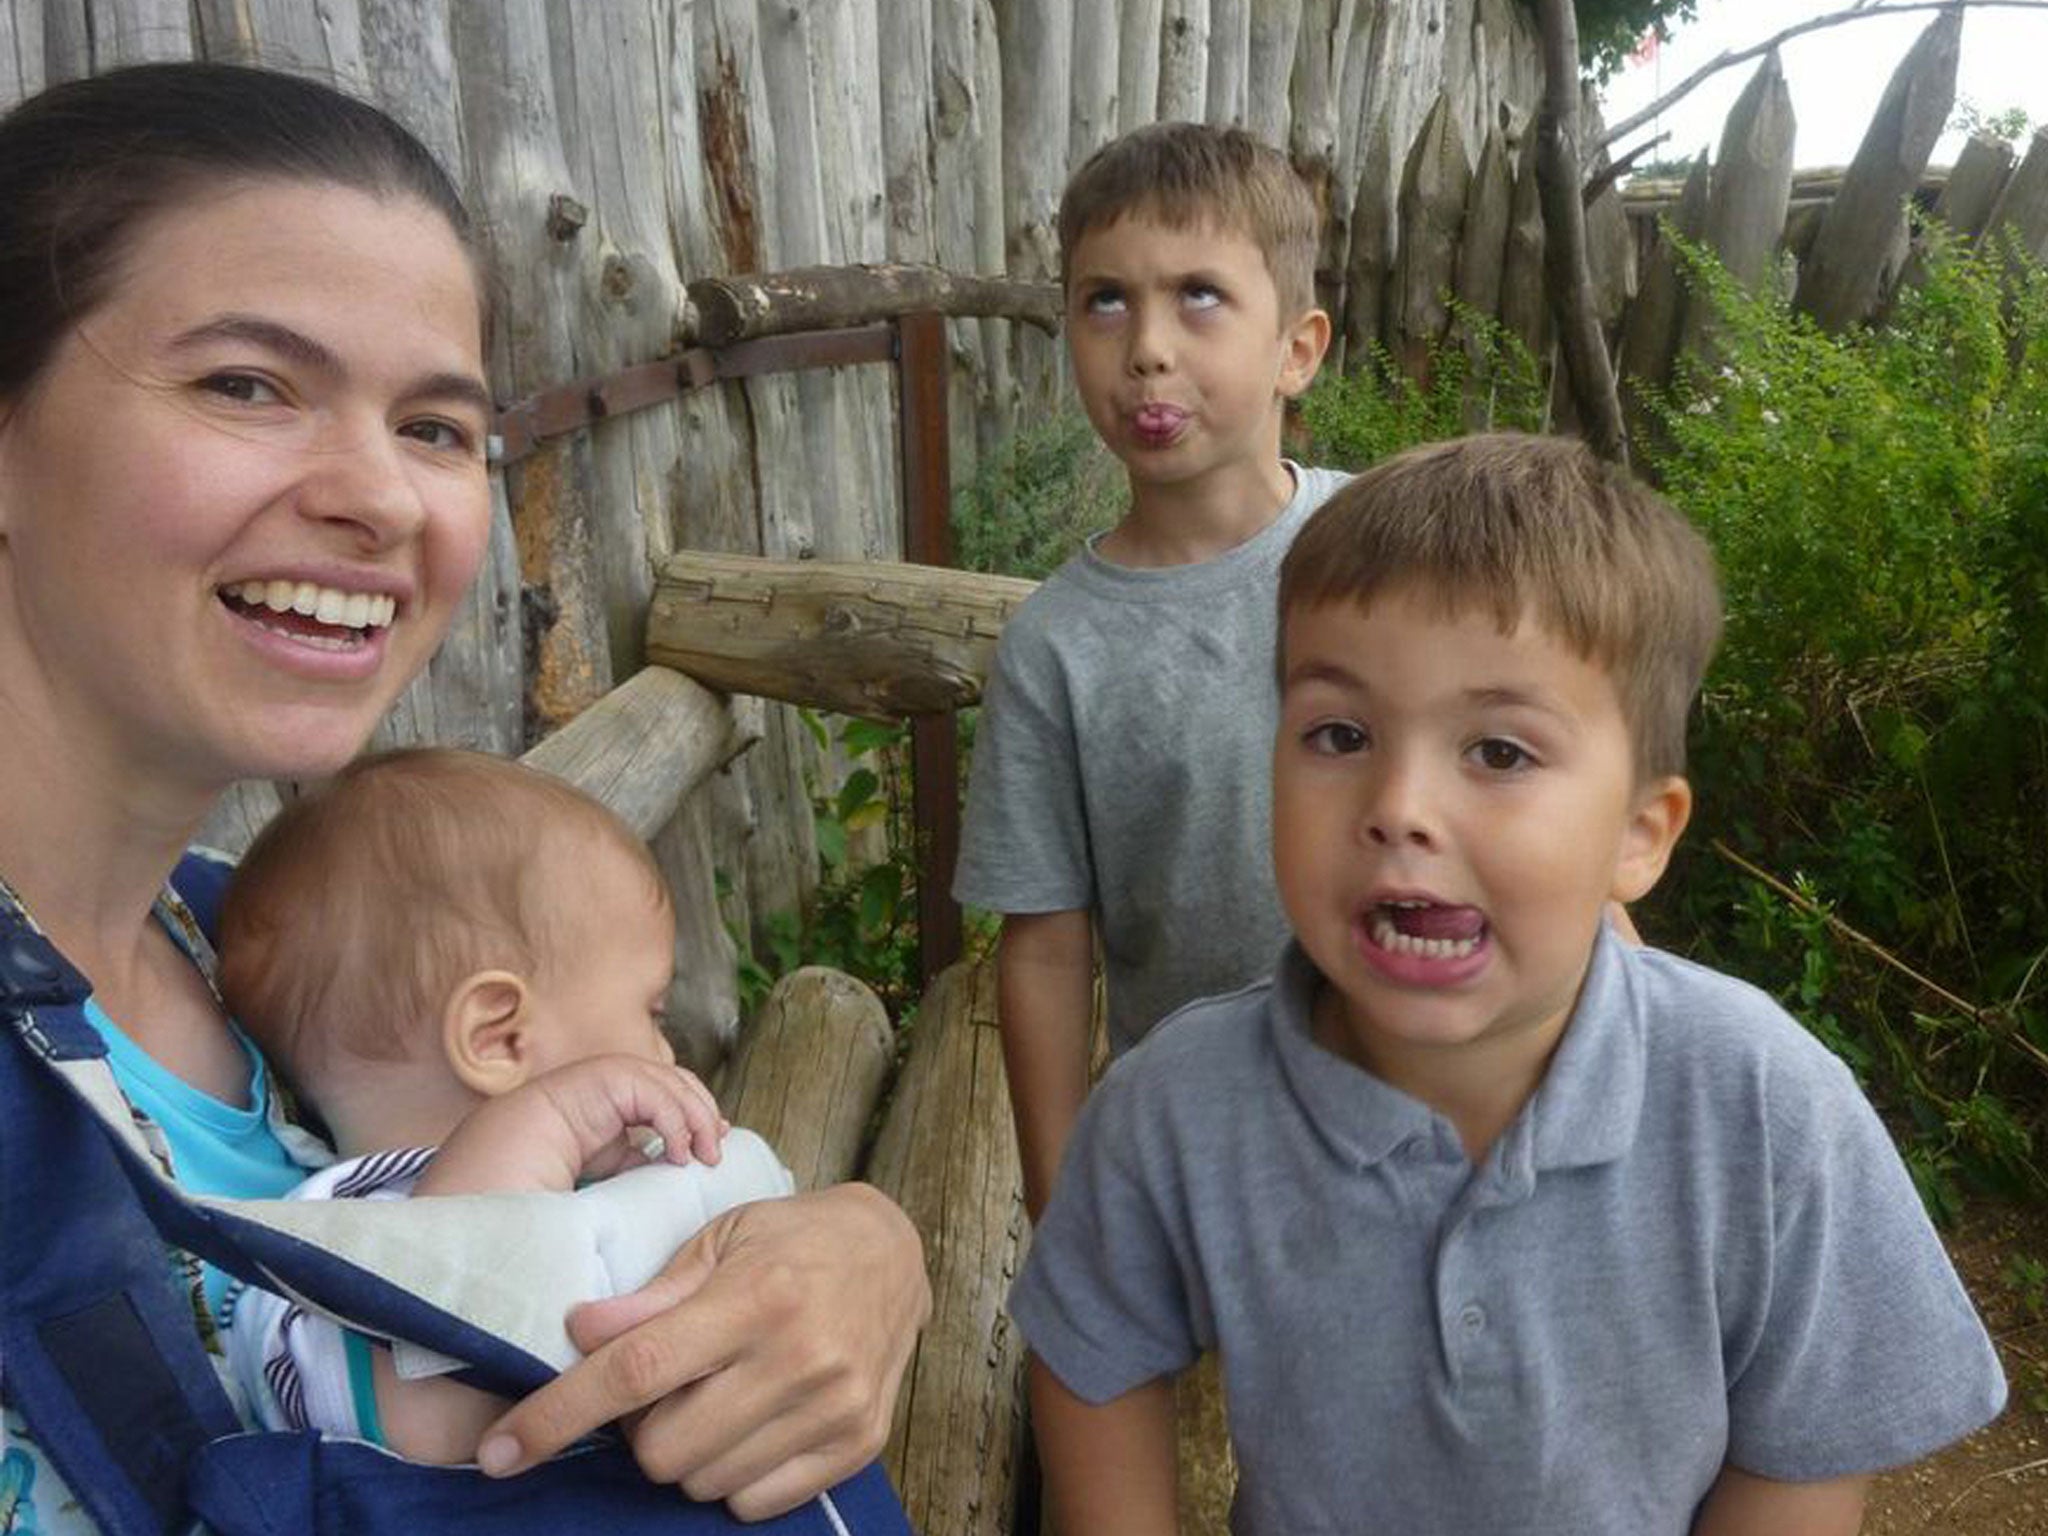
<point>1836,75</point>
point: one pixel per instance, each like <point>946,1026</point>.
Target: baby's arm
<point>1045,1003</point>
<point>1108,1468</point>
<point>1743,1504</point>
<point>573,1123</point>
<point>563,1125</point>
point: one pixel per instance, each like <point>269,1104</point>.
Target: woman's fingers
<point>772,1366</point>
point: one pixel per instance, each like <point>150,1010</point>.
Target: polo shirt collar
<point>1584,1112</point>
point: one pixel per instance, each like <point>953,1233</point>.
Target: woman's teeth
<point>324,605</point>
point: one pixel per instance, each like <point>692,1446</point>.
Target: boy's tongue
<point>1159,420</point>
<point>1436,922</point>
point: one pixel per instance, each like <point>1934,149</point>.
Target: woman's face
<point>240,505</point>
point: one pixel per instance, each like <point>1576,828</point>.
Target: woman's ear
<point>1662,810</point>
<point>486,1032</point>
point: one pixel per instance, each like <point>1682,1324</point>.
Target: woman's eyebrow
<point>268,334</point>
<point>300,348</point>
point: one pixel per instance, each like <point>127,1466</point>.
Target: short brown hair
<point>362,904</point>
<point>1190,173</point>
<point>1531,526</point>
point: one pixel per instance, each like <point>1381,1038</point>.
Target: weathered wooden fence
<point>618,150</point>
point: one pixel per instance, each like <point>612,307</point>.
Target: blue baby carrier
<point>99,1353</point>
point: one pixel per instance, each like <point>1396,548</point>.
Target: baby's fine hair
<point>362,904</point>
<point>1538,527</point>
<point>1184,174</point>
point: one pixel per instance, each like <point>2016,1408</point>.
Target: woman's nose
<point>361,480</point>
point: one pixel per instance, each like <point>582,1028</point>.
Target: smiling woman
<point>242,490</point>
<point>285,389</point>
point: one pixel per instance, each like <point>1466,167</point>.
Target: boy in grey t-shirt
<point>1119,778</point>
<point>1497,1223</point>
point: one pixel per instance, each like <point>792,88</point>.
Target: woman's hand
<point>766,1357</point>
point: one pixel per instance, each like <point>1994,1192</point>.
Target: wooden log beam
<point>643,746</point>
<point>810,1072</point>
<point>946,1155</point>
<point>875,640</point>
<point>730,309</point>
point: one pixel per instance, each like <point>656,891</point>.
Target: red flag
<point>1645,51</point>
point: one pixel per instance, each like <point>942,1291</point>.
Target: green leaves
<point>1878,716</point>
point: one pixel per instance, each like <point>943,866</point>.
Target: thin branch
<point>1565,281</point>
<point>2010,1474</point>
<point>1736,56</point>
<point>1614,170</point>
<point>1877,951</point>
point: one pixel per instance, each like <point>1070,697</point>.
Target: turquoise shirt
<point>216,1148</point>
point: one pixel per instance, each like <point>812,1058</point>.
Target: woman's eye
<point>445,435</point>
<point>243,388</point>
<point>1501,756</point>
<point>1335,738</point>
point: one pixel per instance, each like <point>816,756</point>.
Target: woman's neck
<point>87,848</point>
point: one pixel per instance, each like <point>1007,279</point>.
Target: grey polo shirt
<point>1695,1244</point>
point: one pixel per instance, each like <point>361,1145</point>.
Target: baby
<point>460,963</point>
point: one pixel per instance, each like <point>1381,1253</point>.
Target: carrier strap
<point>98,1348</point>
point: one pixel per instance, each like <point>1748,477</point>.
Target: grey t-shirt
<point>1695,1244</point>
<point>1122,764</point>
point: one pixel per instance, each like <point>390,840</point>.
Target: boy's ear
<point>1663,807</point>
<point>1303,346</point>
<point>486,1031</point>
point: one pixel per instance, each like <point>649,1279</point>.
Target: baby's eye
<point>1500,755</point>
<point>1335,738</point>
<point>242,388</point>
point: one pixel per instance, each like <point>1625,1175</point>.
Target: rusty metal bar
<point>524,425</point>
<point>928,540</point>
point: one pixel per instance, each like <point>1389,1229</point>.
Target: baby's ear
<point>486,1031</point>
<point>1663,807</point>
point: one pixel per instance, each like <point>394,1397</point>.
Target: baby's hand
<point>612,1103</point>
<point>587,1120</point>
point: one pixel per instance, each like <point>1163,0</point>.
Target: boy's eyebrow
<point>1320,671</point>
<point>1500,697</point>
<point>298,347</point>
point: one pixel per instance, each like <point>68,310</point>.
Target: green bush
<point>1031,504</point>
<point>1875,730</point>
<point>1482,378</point>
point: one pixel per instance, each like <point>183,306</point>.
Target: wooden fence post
<point>1864,228</point>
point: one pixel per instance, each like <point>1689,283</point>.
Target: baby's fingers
<point>707,1125</point>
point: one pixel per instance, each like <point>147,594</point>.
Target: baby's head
<point>1194,176</point>
<point>1489,648</point>
<point>438,925</point>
